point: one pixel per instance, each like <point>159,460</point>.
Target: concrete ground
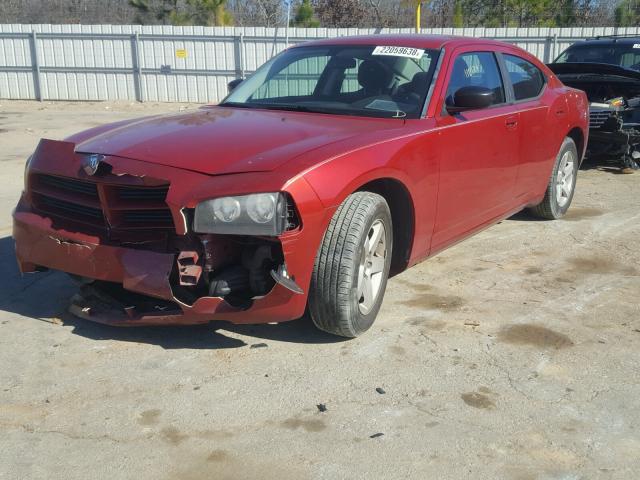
<point>513,355</point>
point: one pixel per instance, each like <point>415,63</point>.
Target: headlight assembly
<point>256,214</point>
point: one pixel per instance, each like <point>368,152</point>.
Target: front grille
<point>598,117</point>
<point>69,209</point>
<point>68,185</point>
<point>146,193</point>
<point>121,207</point>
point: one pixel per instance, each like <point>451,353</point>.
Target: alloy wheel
<point>565,178</point>
<point>371,267</point>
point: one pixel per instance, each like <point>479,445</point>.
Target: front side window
<point>477,69</point>
<point>362,80</point>
<point>526,78</point>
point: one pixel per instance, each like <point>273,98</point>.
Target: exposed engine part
<point>258,263</point>
<point>236,268</point>
<point>231,280</point>
<point>188,269</point>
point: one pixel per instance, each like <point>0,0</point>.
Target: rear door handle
<point>511,122</point>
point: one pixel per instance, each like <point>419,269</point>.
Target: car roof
<point>404,40</point>
<point>608,41</point>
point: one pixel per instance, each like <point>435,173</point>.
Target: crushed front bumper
<point>143,272</point>
<point>42,242</point>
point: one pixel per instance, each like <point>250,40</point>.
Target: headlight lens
<point>261,207</point>
<point>257,214</point>
<point>226,209</point>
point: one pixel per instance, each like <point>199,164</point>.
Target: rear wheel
<point>352,266</point>
<point>562,183</point>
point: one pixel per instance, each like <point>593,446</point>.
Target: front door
<point>477,150</point>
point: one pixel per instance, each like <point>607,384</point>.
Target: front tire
<point>562,184</point>
<point>352,266</point>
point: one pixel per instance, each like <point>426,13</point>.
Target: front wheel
<point>562,183</point>
<point>352,266</point>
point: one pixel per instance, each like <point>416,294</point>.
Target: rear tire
<point>562,184</point>
<point>352,266</point>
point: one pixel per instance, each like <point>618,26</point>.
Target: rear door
<point>478,150</point>
<point>528,86</point>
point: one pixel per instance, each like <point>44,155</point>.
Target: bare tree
<point>329,13</point>
<point>341,13</point>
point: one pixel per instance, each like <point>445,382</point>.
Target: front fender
<point>407,160</point>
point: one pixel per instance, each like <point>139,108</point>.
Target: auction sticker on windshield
<point>399,52</point>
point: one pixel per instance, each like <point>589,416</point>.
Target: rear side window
<point>478,69</point>
<point>526,78</point>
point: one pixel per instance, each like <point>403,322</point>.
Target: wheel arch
<point>401,205</point>
<point>577,135</point>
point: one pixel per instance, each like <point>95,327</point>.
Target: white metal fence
<point>186,64</point>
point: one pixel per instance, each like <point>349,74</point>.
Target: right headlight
<point>256,214</point>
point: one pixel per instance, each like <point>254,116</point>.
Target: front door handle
<point>511,122</point>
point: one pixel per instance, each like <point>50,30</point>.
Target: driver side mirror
<point>471,98</point>
<point>233,84</point>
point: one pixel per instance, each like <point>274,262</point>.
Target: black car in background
<point>608,70</point>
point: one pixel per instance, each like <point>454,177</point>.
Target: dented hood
<point>221,140</point>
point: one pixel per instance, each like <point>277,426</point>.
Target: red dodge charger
<point>336,164</point>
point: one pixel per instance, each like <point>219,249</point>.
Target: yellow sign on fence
<point>182,53</point>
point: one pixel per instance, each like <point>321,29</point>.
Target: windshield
<point>624,55</point>
<point>391,82</point>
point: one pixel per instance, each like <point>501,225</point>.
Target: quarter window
<point>476,69</point>
<point>526,78</point>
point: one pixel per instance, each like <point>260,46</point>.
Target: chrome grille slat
<point>598,117</point>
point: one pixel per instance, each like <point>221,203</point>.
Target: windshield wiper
<point>362,112</point>
<point>235,104</point>
<point>268,106</point>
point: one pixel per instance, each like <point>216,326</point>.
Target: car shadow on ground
<point>602,165</point>
<point>587,164</point>
<point>45,297</point>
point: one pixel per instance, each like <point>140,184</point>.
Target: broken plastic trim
<point>282,277</point>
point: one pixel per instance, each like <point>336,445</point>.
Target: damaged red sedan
<point>337,163</point>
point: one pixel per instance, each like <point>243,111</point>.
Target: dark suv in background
<point>608,70</point>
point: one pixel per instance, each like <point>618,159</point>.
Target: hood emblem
<point>91,163</point>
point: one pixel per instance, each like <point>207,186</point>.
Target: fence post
<point>242,59</point>
<point>547,50</point>
<point>35,63</point>
<point>137,70</point>
<point>554,51</point>
<point>238,57</point>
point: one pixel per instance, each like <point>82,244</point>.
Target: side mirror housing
<point>471,98</point>
<point>233,84</point>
